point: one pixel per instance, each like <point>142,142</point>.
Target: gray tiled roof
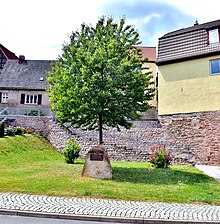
<point>187,43</point>
<point>209,25</point>
<point>29,75</point>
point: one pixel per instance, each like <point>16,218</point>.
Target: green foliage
<point>98,79</point>
<point>19,131</point>
<point>160,158</point>
<point>2,129</point>
<point>29,164</point>
<point>10,131</point>
<point>71,151</point>
<point>34,112</point>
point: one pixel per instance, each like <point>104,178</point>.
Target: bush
<point>160,158</point>
<point>10,132</point>
<point>29,130</point>
<point>71,150</point>
<point>19,131</point>
<point>2,130</point>
<point>34,112</point>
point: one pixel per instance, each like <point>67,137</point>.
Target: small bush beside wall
<point>160,158</point>
<point>71,150</point>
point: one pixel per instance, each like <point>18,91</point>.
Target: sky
<point>39,28</point>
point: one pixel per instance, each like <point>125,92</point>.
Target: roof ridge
<point>192,28</point>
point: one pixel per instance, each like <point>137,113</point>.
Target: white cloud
<point>204,11</point>
<point>31,27</point>
<point>38,28</point>
<point>148,18</point>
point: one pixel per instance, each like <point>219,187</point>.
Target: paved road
<point>104,209</point>
<point>6,219</point>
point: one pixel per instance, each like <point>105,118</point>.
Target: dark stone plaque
<point>96,155</point>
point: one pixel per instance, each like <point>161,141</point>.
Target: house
<point>189,70</point>
<point>148,58</point>
<point>5,54</point>
<point>23,86</point>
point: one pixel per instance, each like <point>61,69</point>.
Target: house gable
<point>189,43</point>
<point>4,55</point>
<point>189,70</point>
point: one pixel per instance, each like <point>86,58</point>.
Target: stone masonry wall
<point>199,130</point>
<point>46,126</point>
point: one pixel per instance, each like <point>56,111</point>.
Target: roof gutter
<point>186,58</point>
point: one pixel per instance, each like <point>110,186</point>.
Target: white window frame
<point>31,99</point>
<point>214,73</point>
<point>4,97</point>
<point>213,36</point>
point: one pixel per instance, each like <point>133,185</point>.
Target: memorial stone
<point>97,164</point>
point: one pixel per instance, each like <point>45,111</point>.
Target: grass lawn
<point>28,164</point>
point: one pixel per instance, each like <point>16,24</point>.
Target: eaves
<point>185,58</point>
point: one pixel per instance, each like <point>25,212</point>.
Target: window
<point>5,97</point>
<point>215,66</point>
<point>213,36</point>
<point>31,99</point>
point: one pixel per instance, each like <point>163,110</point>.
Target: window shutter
<point>39,99</point>
<point>22,98</point>
<point>0,97</point>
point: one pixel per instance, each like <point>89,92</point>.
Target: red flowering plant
<point>160,158</point>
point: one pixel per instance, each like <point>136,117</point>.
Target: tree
<point>97,81</point>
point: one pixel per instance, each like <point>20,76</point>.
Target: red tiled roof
<point>148,52</point>
<point>8,54</point>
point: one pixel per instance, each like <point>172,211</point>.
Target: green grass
<point>29,164</point>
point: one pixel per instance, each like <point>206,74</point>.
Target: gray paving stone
<point>108,208</point>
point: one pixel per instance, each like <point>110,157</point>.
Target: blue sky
<point>37,29</point>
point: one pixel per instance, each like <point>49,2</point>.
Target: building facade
<point>189,70</point>
<point>23,86</point>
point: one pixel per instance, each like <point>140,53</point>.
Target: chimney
<point>196,23</point>
<point>21,59</point>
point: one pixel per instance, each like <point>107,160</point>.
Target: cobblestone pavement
<point>108,208</point>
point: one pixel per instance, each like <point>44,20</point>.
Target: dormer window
<point>214,36</point>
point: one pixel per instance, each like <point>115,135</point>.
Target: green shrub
<point>10,131</point>
<point>34,112</point>
<point>19,131</point>
<point>2,130</point>
<point>160,158</point>
<point>71,150</point>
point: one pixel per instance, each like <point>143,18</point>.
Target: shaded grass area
<point>29,164</point>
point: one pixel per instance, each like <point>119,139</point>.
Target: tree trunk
<point>100,129</point>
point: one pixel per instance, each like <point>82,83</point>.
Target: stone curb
<point>100,218</point>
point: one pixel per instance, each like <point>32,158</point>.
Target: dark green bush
<point>71,150</point>
<point>34,112</point>
<point>10,131</point>
<point>19,131</point>
<point>2,130</point>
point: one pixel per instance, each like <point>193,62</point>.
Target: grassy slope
<point>29,164</point>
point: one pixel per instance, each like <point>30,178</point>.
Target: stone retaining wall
<point>199,130</point>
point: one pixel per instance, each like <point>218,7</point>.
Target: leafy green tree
<point>97,81</point>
